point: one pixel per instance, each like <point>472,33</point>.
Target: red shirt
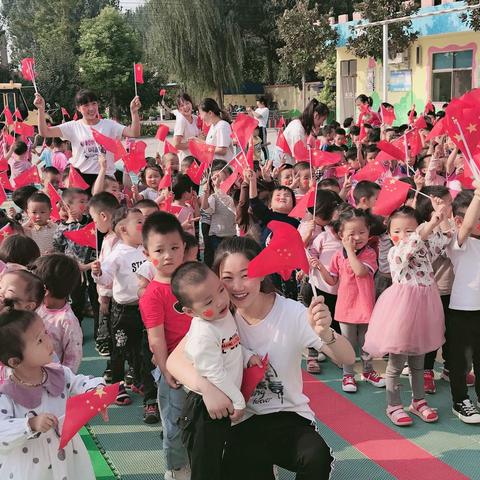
<point>157,307</point>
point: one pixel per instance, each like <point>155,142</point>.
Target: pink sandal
<point>313,366</point>
<point>398,416</point>
<point>421,409</point>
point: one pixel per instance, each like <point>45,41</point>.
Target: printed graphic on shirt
<point>90,149</point>
<point>270,388</point>
<point>230,344</point>
<point>136,265</point>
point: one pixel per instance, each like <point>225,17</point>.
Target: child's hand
<point>248,174</point>
<point>12,212</point>
<point>314,263</point>
<point>349,243</point>
<point>296,181</point>
<point>319,316</point>
<point>419,180</point>
<point>43,422</point>
<point>102,161</point>
<point>134,189</point>
<point>237,415</point>
<point>190,222</point>
<point>104,304</point>
<point>255,360</point>
<point>300,275</point>
<point>96,268</point>
<point>171,380</point>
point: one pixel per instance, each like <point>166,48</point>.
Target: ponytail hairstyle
<point>306,118</point>
<point>210,105</point>
<point>364,99</point>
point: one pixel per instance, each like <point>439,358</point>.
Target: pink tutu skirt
<point>408,320</point>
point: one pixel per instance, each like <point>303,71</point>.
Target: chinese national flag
<point>5,181</point>
<point>3,195</point>
<point>86,236</point>
<point>388,115</point>
<point>162,92</point>
<point>28,69</point>
<point>252,376</point>
<point>281,122</point>
<point>3,165</point>
<point>202,151</point>
<point>6,231</point>
<point>437,130</point>
<point>392,196</point>
<point>429,107</point>
<point>166,206</point>
<point>22,128</point>
<point>65,112</point>
<point>243,127</point>
<point>54,199</point>
<point>300,152</point>
<point>138,73</point>
<point>420,123</point>
<point>249,156</point>
<point>321,158</point>
<point>169,148</point>
<point>82,408</point>
<point>8,116</point>
<point>415,143</point>
<point>392,151</point>
<point>162,132</point>
<point>110,144</point>
<point>75,180</point>
<point>28,177</point>
<point>227,184</point>
<point>195,172</point>
<point>371,171</point>
<point>466,178</point>
<point>342,170</point>
<point>166,181</point>
<point>8,138</point>
<point>18,115</point>
<point>135,160</point>
<point>284,253</point>
<point>308,200</point>
<point>282,144</point>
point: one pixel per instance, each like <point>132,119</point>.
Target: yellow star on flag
<point>472,128</point>
<point>458,137</point>
<point>100,392</point>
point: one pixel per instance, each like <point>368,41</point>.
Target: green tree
<point>472,18</point>
<point>369,42</point>
<point>327,71</point>
<point>109,47</point>
<point>308,39</point>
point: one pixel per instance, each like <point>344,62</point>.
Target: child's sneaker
<point>313,365</point>
<point>123,398</point>
<point>429,381</point>
<point>466,412</point>
<point>103,349</point>
<point>180,474</point>
<point>129,378</point>
<point>421,409</point>
<point>107,375</point>
<point>406,371</point>
<point>151,414</point>
<point>374,378</point>
<point>445,375</point>
<point>321,357</point>
<point>349,384</point>
<point>398,416</point>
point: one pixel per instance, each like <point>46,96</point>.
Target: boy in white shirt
<point>119,270</point>
<point>213,344</point>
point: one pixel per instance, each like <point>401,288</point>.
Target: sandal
<point>398,416</point>
<point>313,366</point>
<point>421,409</point>
<point>123,398</point>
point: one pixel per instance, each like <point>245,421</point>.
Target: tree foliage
<point>368,42</point>
<point>327,71</point>
<point>472,18</point>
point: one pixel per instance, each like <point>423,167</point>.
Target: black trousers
<point>127,328</point>
<point>149,384</point>
<point>285,439</point>
<point>78,296</point>
<point>208,249</point>
<point>262,133</point>
<point>430,356</point>
<point>104,331</point>
<point>203,438</point>
<point>463,334</point>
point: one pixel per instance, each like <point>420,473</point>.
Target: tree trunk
<point>304,92</point>
<point>220,95</point>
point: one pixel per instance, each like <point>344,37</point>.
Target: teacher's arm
<point>216,402</point>
<point>43,128</point>
<point>133,130</point>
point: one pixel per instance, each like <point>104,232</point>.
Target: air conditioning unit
<point>399,59</point>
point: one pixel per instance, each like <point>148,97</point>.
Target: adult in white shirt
<point>85,150</point>
<point>220,130</point>
<point>277,414</point>
<point>185,125</point>
<point>261,113</point>
<point>309,123</point>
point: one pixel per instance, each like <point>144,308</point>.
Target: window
<point>451,75</point>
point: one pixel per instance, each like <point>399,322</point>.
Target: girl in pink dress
<point>353,268</point>
<point>408,318</point>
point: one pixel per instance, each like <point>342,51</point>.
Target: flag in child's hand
<point>388,115</point>
<point>252,376</point>
<point>166,181</point>
<point>54,200</point>
<point>27,177</point>
<point>420,123</point>
<point>8,116</point>
<point>321,158</point>
<point>392,196</point>
<point>169,148</point>
<point>5,181</point>
<point>18,115</point>
<point>24,129</point>
<point>112,145</point>
<point>227,184</point>
<point>282,144</point>
<point>162,132</point>
<point>429,107</point>
<point>437,130</point>
<point>300,152</point>
<point>86,236</point>
<point>308,200</point>
<point>75,180</point>
<point>393,153</point>
<point>28,69</point>
<point>138,73</point>
<point>415,144</point>
<point>202,151</point>
<point>284,253</point>
<point>82,408</point>
<point>135,160</point>
<point>195,172</point>
<point>3,195</point>
<point>6,231</point>
<point>243,128</point>
<point>371,171</point>
<point>65,112</point>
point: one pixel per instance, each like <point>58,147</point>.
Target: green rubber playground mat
<point>100,465</point>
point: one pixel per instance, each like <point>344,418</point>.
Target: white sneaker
<point>406,371</point>
<point>181,474</point>
<point>321,357</point>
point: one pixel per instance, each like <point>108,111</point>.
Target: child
<point>147,207</point>
<point>415,321</point>
<point>183,192</point>
<point>18,159</point>
<point>59,160</point>
<point>39,227</point>
<point>256,144</point>
<point>365,194</point>
<point>51,175</point>
<point>32,400</point>
<point>119,271</point>
<point>340,140</point>
<point>20,198</point>
<point>18,252</point>
<point>166,326</point>
<point>106,183</point>
<point>302,174</point>
<point>353,270</point>
<point>285,175</point>
<point>213,345</point>
<point>60,275</point>
<point>462,326</point>
<point>150,177</point>
<point>171,162</point>
<point>186,163</point>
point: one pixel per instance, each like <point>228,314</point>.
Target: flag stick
<point>30,66</point>
<point>473,166</point>
<point>315,203</point>
<point>135,80</point>
<point>407,157</point>
<point>421,193</point>
<point>96,241</point>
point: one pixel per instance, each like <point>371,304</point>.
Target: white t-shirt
<point>186,130</point>
<point>284,333</point>
<point>149,194</point>
<point>147,270</point>
<point>214,348</point>
<point>293,133</point>
<point>263,120</point>
<point>466,267</point>
<point>120,269</point>
<point>84,148</point>
<point>219,135</point>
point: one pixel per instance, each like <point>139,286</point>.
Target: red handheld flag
<point>6,231</point>
<point>3,165</point>
<point>82,408</point>
<point>420,123</point>
<point>5,181</point>
<point>282,144</point>
<point>249,156</point>
<point>138,73</point>
<point>392,196</point>
<point>169,148</point>
<point>162,132</point>
<point>8,138</point>
<point>429,107</point>
<point>437,130</point>
<point>166,205</point>
<point>18,115</point>
<point>28,69</point>
<point>28,177</point>
<point>8,116</point>
<point>22,128</point>
<point>86,236</point>
<point>135,160</point>
<point>112,145</point>
<point>202,151</point>
<point>388,115</point>
<point>54,200</point>
<point>243,128</point>
<point>411,116</point>
<point>342,170</point>
<point>75,180</point>
<point>3,195</point>
<point>308,200</point>
<point>300,152</point>
<point>392,151</point>
<point>371,171</point>
<point>321,158</point>
<point>284,253</point>
<point>281,122</point>
<point>227,184</point>
<point>195,172</point>
<point>166,181</point>
<point>162,92</point>
<point>415,144</point>
<point>252,376</point>
<point>65,112</point>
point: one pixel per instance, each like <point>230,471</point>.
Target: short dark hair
<point>19,147</point>
<point>162,223</point>
<point>326,204</point>
<point>59,273</point>
<point>287,189</point>
<point>406,212</point>
<point>350,213</point>
<point>40,197</point>
<point>121,214</point>
<point>85,96</point>
<point>50,169</point>
<point>354,130</point>
<point>424,204</point>
<point>462,202</point>
<point>69,193</point>
<point>35,287</point>
<point>347,122</point>
<point>182,184</point>
<point>190,240</point>
<point>104,202</point>
<point>19,249</point>
<point>351,154</point>
<point>340,131</point>
<point>143,172</point>
<point>57,142</point>
<point>301,166</point>
<point>365,188</point>
<point>20,196</point>
<point>324,183</point>
<point>186,275</point>
<point>146,202</point>
<point>372,148</point>
<point>13,325</point>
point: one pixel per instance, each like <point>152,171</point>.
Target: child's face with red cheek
<point>401,228</point>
